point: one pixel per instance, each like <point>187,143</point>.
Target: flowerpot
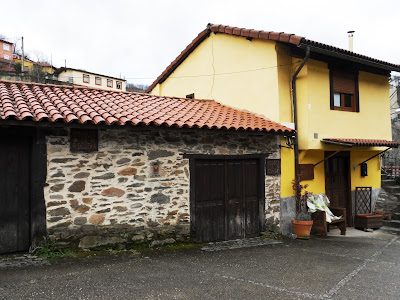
<point>302,229</point>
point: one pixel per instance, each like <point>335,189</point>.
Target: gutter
<point>296,143</point>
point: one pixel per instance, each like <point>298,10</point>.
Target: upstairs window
<point>344,91</point>
<point>6,47</point>
<point>98,80</point>
<point>109,83</point>
<point>86,78</point>
<point>119,84</point>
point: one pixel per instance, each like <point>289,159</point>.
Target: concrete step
<point>388,182</point>
<point>390,230</point>
<point>392,189</point>
<point>392,223</point>
<point>395,215</point>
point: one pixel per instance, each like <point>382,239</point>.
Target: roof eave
<point>352,58</point>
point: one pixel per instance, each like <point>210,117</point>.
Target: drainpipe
<point>296,143</point>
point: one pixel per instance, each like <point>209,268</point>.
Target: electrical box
<point>364,169</point>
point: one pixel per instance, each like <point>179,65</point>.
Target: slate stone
<point>57,187</point>
<point>80,221</point>
<point>137,154</point>
<point>58,174</point>
<point>136,185</point>
<point>82,175</point>
<point>113,192</point>
<point>147,189</point>
<point>136,205</point>
<point>140,177</point>
<point>160,198</point>
<point>62,160</point>
<point>123,161</point>
<point>154,154</point>
<point>77,186</point>
<point>127,171</point>
<point>105,176</point>
<point>55,219</point>
<point>122,180</point>
<point>103,211</point>
<point>59,212</point>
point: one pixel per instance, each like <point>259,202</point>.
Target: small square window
<point>71,79</point>
<point>119,85</point>
<point>6,47</point>
<point>86,78</point>
<point>98,80</point>
<point>6,56</point>
<point>344,91</point>
<point>109,83</point>
<point>190,96</point>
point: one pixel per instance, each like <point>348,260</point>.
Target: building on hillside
<point>93,168</point>
<point>81,77</point>
<point>6,60</point>
<point>341,106</point>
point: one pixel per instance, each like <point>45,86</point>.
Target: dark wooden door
<point>14,195</point>
<point>337,182</point>
<point>226,199</point>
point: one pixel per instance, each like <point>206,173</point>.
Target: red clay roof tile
<point>363,142</point>
<point>53,103</point>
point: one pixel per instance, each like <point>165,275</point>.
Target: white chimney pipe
<point>351,33</point>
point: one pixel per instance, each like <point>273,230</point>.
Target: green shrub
<point>303,217</point>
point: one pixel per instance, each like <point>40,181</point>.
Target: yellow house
<point>90,79</point>
<point>337,100</point>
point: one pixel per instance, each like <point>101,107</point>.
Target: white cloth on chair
<point>320,202</point>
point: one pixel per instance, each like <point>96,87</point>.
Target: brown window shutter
<point>344,82</point>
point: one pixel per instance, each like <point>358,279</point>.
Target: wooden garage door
<point>14,195</point>
<point>226,199</point>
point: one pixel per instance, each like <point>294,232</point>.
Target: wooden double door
<point>14,195</point>
<point>337,182</point>
<point>226,199</point>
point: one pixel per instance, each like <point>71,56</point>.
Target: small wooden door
<point>337,182</point>
<point>226,199</point>
<point>14,195</point>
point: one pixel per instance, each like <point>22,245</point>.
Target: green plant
<point>303,217</point>
<point>379,211</point>
<point>50,250</point>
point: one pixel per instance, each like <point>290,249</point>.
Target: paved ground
<point>358,266</point>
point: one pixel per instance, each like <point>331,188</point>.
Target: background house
<point>6,58</point>
<point>342,103</point>
<point>81,77</point>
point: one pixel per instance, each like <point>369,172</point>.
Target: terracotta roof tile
<point>53,103</point>
<point>363,142</point>
<point>281,37</point>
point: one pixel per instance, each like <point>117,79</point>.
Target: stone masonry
<point>112,197</point>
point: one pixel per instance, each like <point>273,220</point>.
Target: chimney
<point>351,33</point>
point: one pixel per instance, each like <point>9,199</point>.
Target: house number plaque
<point>84,140</point>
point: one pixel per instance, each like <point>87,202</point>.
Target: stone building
<point>95,168</point>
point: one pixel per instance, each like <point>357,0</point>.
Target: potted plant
<point>302,225</point>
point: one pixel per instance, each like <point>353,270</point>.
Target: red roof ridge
<point>280,37</point>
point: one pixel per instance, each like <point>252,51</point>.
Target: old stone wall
<point>111,196</point>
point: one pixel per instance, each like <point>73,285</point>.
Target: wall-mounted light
<point>289,141</point>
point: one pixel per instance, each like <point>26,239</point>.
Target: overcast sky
<point>138,39</point>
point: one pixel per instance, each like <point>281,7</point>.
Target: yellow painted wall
<point>287,170</point>
<point>315,115</point>
<point>78,79</point>
<point>374,169</point>
<point>317,185</point>
<point>246,74</point>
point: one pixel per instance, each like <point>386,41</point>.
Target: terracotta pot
<point>302,229</point>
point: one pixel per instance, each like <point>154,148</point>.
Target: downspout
<point>296,143</point>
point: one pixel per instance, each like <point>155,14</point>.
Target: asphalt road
<point>358,266</point>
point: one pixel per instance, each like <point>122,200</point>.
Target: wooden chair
<point>320,226</point>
